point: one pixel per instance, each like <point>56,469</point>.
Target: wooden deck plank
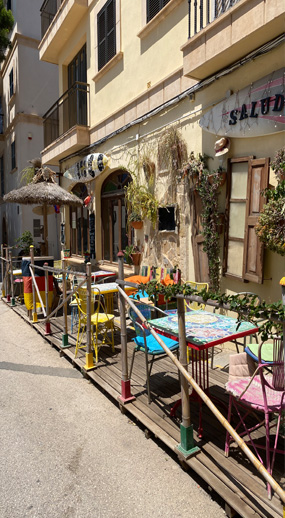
<point>244,491</point>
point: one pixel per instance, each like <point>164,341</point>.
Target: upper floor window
<point>9,5</point>
<point>153,7</point>
<point>106,27</point>
<point>13,155</point>
<point>11,83</point>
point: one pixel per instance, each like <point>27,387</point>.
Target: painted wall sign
<point>88,168</point>
<point>253,111</point>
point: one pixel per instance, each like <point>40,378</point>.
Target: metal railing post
<point>125,381</point>
<point>8,295</point>
<point>65,330</point>
<point>89,353</point>
<point>186,446</point>
<point>48,330</point>
<point>35,316</point>
<point>11,279</point>
<point>2,270</point>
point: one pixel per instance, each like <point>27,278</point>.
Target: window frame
<point>13,155</point>
<point>11,83</point>
<point>74,250</point>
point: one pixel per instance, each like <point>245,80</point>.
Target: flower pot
<point>137,224</point>
<point>136,258</point>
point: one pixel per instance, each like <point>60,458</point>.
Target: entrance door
<point>114,216</point>
<point>201,264</point>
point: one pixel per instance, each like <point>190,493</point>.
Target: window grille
<point>106,25</point>
<point>37,227</point>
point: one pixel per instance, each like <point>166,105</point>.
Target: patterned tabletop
<point>204,329</point>
<point>102,273</point>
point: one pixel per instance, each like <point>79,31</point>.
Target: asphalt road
<point>67,451</point>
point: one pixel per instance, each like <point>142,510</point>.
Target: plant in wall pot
<point>141,203</point>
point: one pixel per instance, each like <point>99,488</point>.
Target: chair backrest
<point>96,304</point>
<point>199,286</point>
<point>277,367</point>
<point>146,312</point>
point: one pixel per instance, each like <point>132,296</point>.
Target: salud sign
<point>253,111</point>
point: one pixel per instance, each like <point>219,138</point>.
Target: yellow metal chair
<point>190,305</point>
<point>101,322</point>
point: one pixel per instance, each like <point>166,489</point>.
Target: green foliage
<point>278,164</point>
<point>140,202</point>
<point>6,25</point>
<point>271,223</point>
<point>129,250</point>
<point>24,242</point>
<point>246,307</point>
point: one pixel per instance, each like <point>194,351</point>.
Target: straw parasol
<point>43,190</point>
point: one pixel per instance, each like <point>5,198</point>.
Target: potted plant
<point>135,220</point>
<point>141,203</point>
<point>132,255</point>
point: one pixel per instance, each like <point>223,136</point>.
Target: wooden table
<point>203,331</point>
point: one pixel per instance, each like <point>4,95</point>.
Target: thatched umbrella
<point>43,190</point>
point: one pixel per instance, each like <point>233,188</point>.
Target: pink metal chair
<point>259,393</point>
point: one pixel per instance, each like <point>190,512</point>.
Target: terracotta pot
<point>136,258</point>
<point>137,224</point>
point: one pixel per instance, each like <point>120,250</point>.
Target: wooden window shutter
<point>258,178</point>
<point>106,26</point>
<point>154,6</point>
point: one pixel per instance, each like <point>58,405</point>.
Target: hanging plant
<point>278,165</point>
<point>140,203</point>
<point>209,192</point>
<point>271,223</point>
<point>172,150</point>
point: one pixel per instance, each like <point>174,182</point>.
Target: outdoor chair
<point>260,396</point>
<point>101,322</point>
<point>145,342</point>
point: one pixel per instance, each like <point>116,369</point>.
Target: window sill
<point>154,22</point>
<point>108,66</point>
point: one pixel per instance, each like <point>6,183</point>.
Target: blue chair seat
<point>153,346</point>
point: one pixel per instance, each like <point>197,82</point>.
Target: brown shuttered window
<point>154,6</point>
<point>106,26</point>
<point>243,252</point>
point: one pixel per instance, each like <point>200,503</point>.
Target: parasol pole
<point>45,229</point>
<point>2,270</point>
<point>64,290</point>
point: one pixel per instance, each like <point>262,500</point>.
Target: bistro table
<point>203,330</point>
<point>101,274</point>
<point>108,289</point>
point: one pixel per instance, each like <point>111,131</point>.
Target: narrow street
<point>68,452</point>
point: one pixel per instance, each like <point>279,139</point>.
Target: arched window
<point>113,214</point>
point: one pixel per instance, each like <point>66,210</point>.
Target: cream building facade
<point>131,74</point>
<point>28,87</point>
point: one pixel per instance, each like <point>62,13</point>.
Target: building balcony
<point>221,32</point>
<point>59,19</point>
<point>66,124</point>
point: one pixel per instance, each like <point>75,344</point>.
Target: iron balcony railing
<point>203,12</point>
<point>48,12</point>
<point>71,109</point>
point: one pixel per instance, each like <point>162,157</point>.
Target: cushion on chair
<point>167,280</point>
<point>139,279</point>
<point>266,352</point>
<point>240,365</point>
<point>153,346</point>
<point>253,396</point>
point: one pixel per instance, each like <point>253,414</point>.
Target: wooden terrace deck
<point>234,478</point>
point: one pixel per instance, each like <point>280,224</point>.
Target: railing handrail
<point>65,94</point>
<point>256,462</point>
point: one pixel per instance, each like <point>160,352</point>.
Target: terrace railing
<point>203,12</point>
<point>69,110</point>
<point>48,11</point>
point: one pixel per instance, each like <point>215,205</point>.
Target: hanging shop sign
<point>253,111</point>
<point>88,168</point>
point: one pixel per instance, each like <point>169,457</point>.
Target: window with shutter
<point>243,252</point>
<point>106,28</point>
<point>154,6</point>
